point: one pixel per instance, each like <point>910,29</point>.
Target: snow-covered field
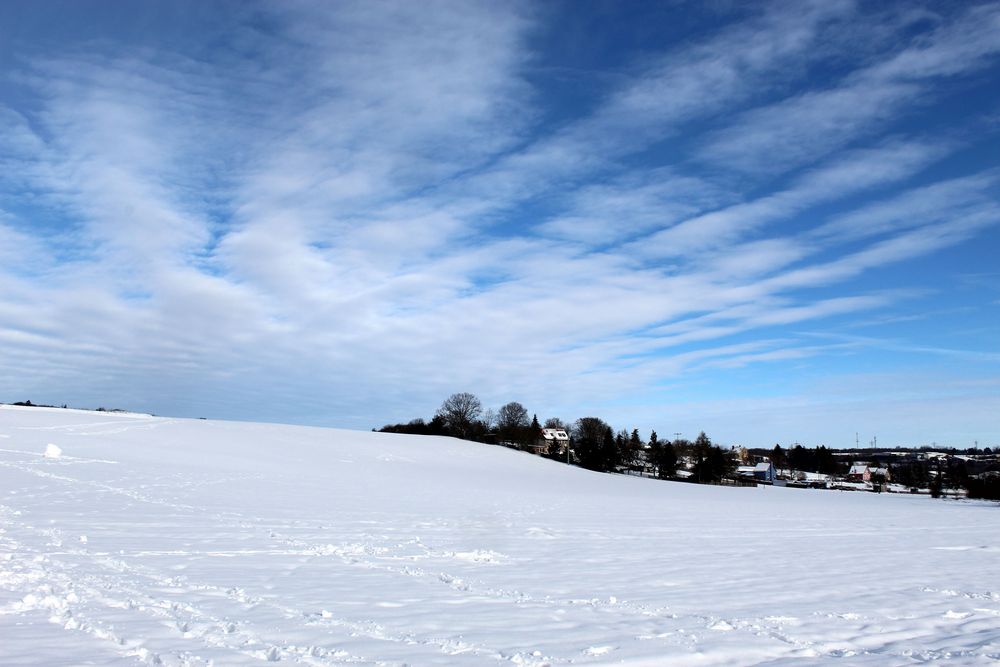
<point>184,542</point>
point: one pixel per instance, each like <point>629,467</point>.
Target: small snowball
<point>52,451</point>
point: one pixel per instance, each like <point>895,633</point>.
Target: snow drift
<point>190,542</point>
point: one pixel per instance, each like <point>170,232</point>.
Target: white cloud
<point>934,203</point>
<point>609,212</point>
<point>358,207</point>
<point>665,92</point>
<point>848,174</point>
<point>808,126</point>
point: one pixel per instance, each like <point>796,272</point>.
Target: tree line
<point>596,445</point>
<point>593,443</point>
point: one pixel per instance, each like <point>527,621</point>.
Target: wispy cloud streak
<point>350,210</point>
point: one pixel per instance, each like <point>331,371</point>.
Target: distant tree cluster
<point>662,456</point>
<point>596,445</point>
<point>462,415</point>
<point>29,404</point>
<point>513,425</point>
<point>818,459</point>
<point>914,474</point>
<point>984,487</point>
<point>593,443</point>
<point>418,427</point>
<point>711,462</point>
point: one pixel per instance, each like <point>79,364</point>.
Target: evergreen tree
<point>826,464</point>
<point>622,447</point>
<point>621,439</point>
<point>636,450</point>
<point>985,486</point>
<point>778,458</point>
<point>653,452</point>
<point>534,432</point>
<point>700,449</point>
<point>800,458</point>
<point>665,460</point>
<point>610,452</point>
<point>712,463</point>
<point>936,486</point>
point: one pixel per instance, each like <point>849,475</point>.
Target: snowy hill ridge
<point>147,540</point>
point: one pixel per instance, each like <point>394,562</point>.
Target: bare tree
<point>555,422</point>
<point>488,419</point>
<point>459,412</point>
<point>512,419</point>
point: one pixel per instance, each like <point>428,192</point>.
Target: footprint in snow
<point>479,556</point>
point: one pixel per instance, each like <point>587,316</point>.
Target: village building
<point>762,472</point>
<point>881,474</point>
<point>554,440</point>
<point>859,472</point>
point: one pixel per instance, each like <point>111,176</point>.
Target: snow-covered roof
<point>763,466</point>
<point>554,434</point>
<point>860,486</point>
<point>858,469</point>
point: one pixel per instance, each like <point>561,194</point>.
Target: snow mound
<point>52,451</point>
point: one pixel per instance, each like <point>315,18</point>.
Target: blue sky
<point>775,222</point>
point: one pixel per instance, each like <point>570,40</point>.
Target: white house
<point>549,437</point>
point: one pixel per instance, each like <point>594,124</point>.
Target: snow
<point>196,542</point>
<point>52,451</point>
